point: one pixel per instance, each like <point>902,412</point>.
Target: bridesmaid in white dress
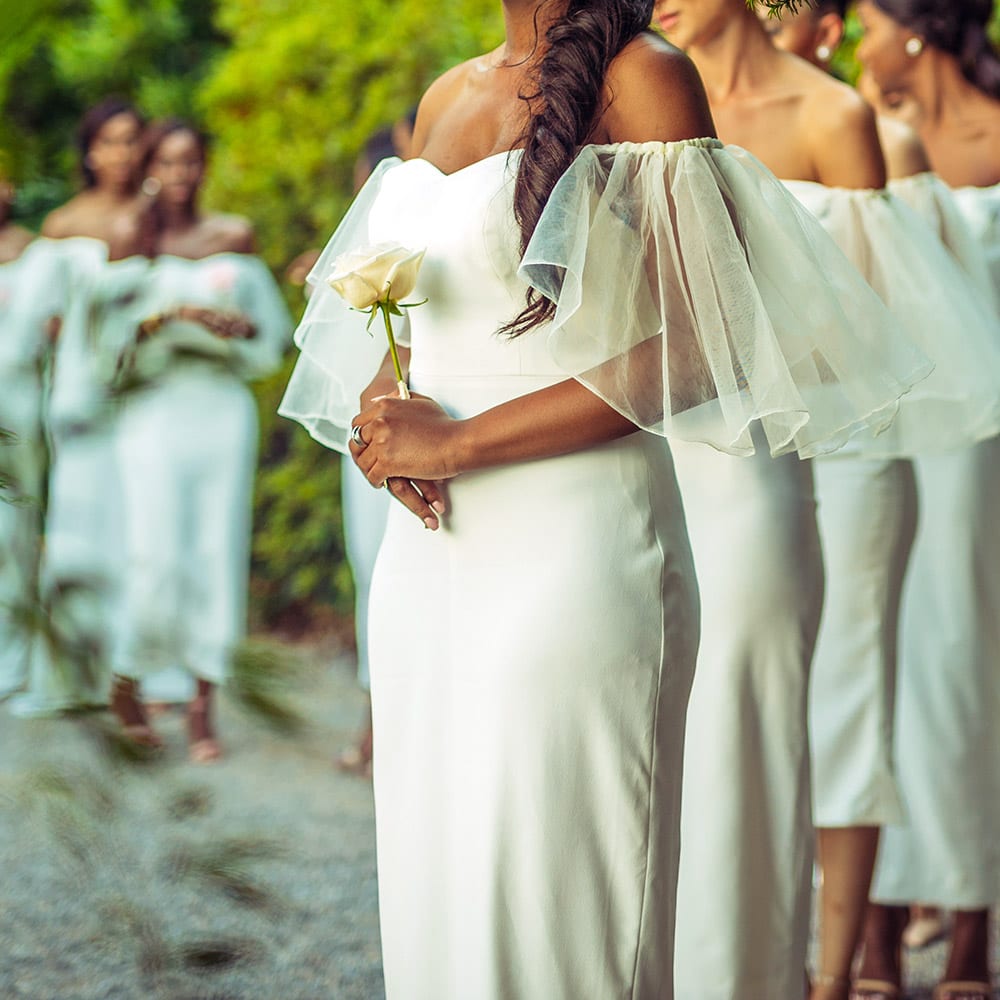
<point>23,341</point>
<point>532,654</point>
<point>845,713</point>
<point>94,235</point>
<point>938,56</point>
<point>186,439</point>
<point>819,135</point>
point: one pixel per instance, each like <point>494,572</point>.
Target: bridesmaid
<point>93,234</point>
<point>818,135</point>
<point>937,54</point>
<point>814,34</point>
<point>23,337</point>
<point>187,439</point>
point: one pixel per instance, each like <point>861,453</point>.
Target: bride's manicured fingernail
<point>438,506</point>
<point>430,522</point>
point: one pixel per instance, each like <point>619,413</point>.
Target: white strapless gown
<point>531,664</point>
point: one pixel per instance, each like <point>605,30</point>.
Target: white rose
<point>366,275</point>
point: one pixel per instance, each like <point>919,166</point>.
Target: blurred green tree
<point>290,105</point>
<point>57,57</point>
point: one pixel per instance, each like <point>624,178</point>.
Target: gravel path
<point>253,879</point>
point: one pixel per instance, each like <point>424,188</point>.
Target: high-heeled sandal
<point>922,932</point>
<point>201,749</point>
<point>875,989</point>
<point>134,726</point>
<point>963,989</point>
<point>830,980</point>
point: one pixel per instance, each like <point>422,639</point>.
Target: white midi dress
<point>531,661</point>
<point>947,851</point>
<point>365,514</point>
<point>867,492</point>
<point>26,307</point>
<point>80,573</point>
<point>186,447</point>
<point>783,692</point>
<point>746,830</point>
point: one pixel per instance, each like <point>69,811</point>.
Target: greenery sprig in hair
<point>775,8</point>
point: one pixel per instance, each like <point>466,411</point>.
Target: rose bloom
<point>367,275</point>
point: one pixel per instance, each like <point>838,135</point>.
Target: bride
<point>599,274</point>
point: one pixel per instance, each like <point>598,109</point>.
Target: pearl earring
<point>823,53</point>
<point>151,187</point>
<point>913,47</point>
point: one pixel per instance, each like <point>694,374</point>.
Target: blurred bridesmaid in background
<point>24,320</point>
<point>187,439</point>
<point>95,236</point>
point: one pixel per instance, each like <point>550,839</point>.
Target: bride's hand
<point>408,444</point>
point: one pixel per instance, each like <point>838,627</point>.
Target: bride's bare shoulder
<point>439,96</point>
<point>654,93</point>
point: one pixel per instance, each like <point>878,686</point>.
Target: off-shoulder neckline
<point>653,146</point>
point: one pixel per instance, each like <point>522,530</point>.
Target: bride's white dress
<point>531,661</point>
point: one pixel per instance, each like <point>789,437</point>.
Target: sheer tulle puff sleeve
<point>695,296</point>
<point>941,299</point>
<point>937,204</point>
<point>339,357</point>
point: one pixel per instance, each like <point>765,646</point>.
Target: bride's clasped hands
<point>408,445</point>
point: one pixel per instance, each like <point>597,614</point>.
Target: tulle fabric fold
<point>339,357</point>
<point>980,207</point>
<point>942,300</point>
<point>939,207</point>
<point>697,297</point>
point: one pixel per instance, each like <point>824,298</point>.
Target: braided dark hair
<point>563,113</point>
<point>958,27</point>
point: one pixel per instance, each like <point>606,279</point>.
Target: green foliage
<point>298,92</point>
<point>291,104</point>
<point>57,57</point>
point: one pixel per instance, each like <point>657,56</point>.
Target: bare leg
<point>969,958</point>
<point>847,859</point>
<point>880,956</point>
<point>357,759</point>
<point>129,710</point>
<point>203,747</point>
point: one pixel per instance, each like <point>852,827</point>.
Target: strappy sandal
<point>963,989</point>
<point>201,749</point>
<point>875,989</point>
<point>924,931</point>
<point>132,717</point>
<point>828,979</point>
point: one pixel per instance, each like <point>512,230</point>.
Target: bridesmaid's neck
<point>947,100</point>
<point>179,217</point>
<point>525,25</point>
<point>736,59</point>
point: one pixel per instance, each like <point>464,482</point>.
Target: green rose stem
<point>384,308</point>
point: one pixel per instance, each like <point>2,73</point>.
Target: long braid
<point>564,111</point>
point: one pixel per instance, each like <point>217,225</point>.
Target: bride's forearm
<point>557,420</point>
